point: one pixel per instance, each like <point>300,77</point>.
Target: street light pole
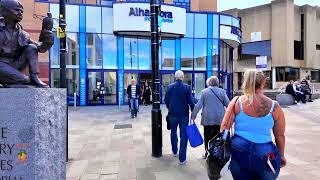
<point>156,111</point>
<point>63,79</point>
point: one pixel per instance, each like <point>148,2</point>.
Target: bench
<point>285,99</point>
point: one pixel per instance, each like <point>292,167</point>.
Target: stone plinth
<point>32,134</point>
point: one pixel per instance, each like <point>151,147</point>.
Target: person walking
<point>178,100</point>
<point>211,118</point>
<point>133,92</point>
<point>147,94</point>
<point>254,115</point>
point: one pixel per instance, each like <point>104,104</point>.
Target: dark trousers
<point>209,133</point>
<point>10,71</point>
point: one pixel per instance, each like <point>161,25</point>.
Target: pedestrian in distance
<point>134,92</point>
<point>299,93</point>
<point>305,88</point>
<point>178,100</point>
<point>213,101</point>
<point>254,115</point>
<point>290,90</point>
<point>147,94</point>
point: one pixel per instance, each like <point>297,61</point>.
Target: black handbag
<point>219,153</point>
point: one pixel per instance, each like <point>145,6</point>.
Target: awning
<point>260,48</point>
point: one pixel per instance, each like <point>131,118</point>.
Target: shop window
<point>130,53</point>
<point>72,16</point>
<point>168,55</point>
<point>107,20</point>
<point>190,25</point>
<point>235,22</point>
<point>200,25</point>
<point>74,1</point>
<point>109,52</point>
<point>93,19</point>
<point>298,50</point>
<point>72,54</point>
<point>226,20</point>
<point>144,54</point>
<point>199,83</point>
<point>187,54</point>
<point>215,24</point>
<point>286,74</point>
<point>226,56</point>
<point>315,76</point>
<point>55,78</point>
<point>200,54</point>
<point>215,54</point>
<point>94,51</point>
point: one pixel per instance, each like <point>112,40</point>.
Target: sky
<point>242,4</point>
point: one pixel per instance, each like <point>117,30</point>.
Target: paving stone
<point>130,149</point>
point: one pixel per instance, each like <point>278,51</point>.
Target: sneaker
<point>183,163</point>
<point>204,156</point>
<point>175,154</point>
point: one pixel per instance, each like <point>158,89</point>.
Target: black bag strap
<point>217,96</point>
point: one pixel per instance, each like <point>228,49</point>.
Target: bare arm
<point>228,118</point>
<point>279,129</point>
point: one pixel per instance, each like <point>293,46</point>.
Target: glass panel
<point>110,52</point>
<point>72,18</point>
<point>186,54</point>
<point>54,9</point>
<point>200,80</point>
<point>72,54</point>
<point>215,24</point>
<point>167,79</point>
<point>200,54</point>
<point>144,54</point>
<point>94,87</point>
<point>130,53</point>
<point>107,20</point>
<point>54,53</point>
<point>127,81</point>
<point>55,78</point>
<point>73,84</point>
<point>236,22</point>
<point>94,51</point>
<point>106,2</point>
<point>215,54</point>
<point>93,19</point>
<point>110,87</point>
<point>190,23</point>
<point>200,26</point>
<point>72,60</point>
<point>168,55</point>
<point>224,56</point>
<point>188,78</point>
<point>226,20</point>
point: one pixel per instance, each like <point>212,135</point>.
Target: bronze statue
<point>17,50</point>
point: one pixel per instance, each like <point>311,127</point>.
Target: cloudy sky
<point>241,4</point>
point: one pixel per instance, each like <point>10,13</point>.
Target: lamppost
<point>156,111</point>
<point>62,35</point>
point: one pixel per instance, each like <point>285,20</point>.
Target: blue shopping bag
<point>194,135</point>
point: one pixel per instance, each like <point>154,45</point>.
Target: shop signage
<point>230,33</point>
<point>255,36</point>
<point>262,63</point>
<point>135,17</point>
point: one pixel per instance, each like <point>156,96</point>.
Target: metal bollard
<point>119,103</point>
<point>74,99</point>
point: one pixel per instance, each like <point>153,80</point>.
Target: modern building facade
<point>108,44</point>
<point>287,34</point>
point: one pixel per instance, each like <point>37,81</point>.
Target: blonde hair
<point>253,80</point>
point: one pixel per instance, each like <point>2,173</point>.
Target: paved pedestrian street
<point>105,144</point>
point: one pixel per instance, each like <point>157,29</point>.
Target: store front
<point>109,46</point>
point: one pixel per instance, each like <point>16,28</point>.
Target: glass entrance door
<point>166,80</point>
<point>101,87</point>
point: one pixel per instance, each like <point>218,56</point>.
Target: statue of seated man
<point>17,50</point>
